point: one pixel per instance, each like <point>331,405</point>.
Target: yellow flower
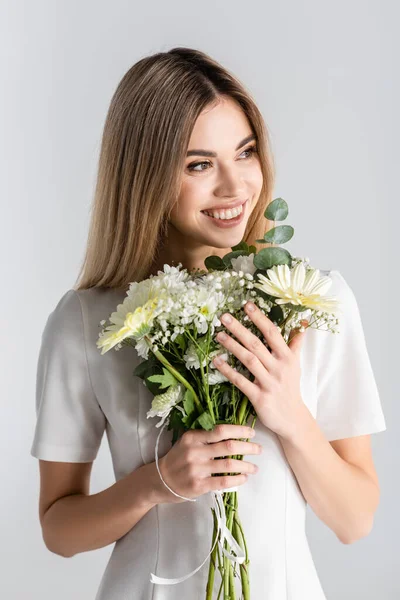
<point>135,323</point>
<point>298,287</point>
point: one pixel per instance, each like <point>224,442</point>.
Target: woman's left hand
<point>275,392</point>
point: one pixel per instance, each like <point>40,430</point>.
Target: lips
<point>226,206</point>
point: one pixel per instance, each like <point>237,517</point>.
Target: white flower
<point>244,263</point>
<point>208,301</point>
<point>191,358</point>
<point>129,320</point>
<point>216,377</point>
<point>162,404</point>
<point>298,287</point>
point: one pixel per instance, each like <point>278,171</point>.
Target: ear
<point>296,337</point>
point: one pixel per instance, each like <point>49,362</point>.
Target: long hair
<point>144,143</point>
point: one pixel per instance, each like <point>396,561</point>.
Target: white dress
<point>81,393</point>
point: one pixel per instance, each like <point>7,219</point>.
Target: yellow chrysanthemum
<point>298,287</point>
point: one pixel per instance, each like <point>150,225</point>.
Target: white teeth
<point>224,214</point>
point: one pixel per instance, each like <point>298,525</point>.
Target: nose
<point>230,183</point>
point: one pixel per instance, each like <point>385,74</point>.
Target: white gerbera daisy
<point>298,287</point>
<point>133,318</point>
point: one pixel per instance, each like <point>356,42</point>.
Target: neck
<point>189,252</point>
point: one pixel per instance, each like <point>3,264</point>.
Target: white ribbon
<point>222,530</point>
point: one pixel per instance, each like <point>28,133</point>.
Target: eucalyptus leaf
<point>277,210</point>
<point>235,254</point>
<point>214,263</point>
<point>241,246</point>
<point>270,257</point>
<point>279,235</point>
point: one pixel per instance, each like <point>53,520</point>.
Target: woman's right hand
<point>188,466</point>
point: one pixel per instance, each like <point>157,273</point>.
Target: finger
<point>248,339</point>
<point>224,431</point>
<point>296,337</point>
<point>249,359</point>
<point>230,465</point>
<point>227,481</point>
<point>241,448</point>
<point>241,382</point>
<point>270,331</point>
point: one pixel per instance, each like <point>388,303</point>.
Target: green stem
<point>242,410</point>
<point>211,570</point>
<point>209,403</point>
<point>179,377</point>
<point>238,533</point>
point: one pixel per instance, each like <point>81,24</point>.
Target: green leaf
<point>227,258</point>
<point>214,263</point>
<point>296,307</point>
<point>279,235</point>
<point>176,424</point>
<point>276,314</point>
<point>241,246</point>
<point>269,257</point>
<point>146,367</point>
<point>188,402</point>
<point>165,380</point>
<point>252,249</point>
<point>277,210</point>
<point>206,421</point>
<point>181,341</point>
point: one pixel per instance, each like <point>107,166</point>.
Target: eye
<point>251,149</point>
<point>191,167</point>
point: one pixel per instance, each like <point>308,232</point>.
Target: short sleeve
<point>69,420</point>
<point>348,402</point>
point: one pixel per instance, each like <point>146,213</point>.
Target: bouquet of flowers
<point>172,319</point>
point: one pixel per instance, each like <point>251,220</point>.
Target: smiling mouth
<point>225,214</point>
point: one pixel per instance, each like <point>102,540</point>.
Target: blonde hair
<point>144,144</point>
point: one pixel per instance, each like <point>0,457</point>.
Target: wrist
<point>152,488</point>
<point>303,423</point>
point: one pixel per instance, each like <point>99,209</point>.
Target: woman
<point>183,136</point>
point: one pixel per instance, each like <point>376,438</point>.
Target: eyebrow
<point>247,139</point>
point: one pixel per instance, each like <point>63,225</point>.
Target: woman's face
<point>222,169</point>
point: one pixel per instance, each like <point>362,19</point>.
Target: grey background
<point>326,77</point>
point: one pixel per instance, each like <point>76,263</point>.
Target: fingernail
<point>250,306</point>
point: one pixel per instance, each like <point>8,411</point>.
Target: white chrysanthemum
<point>162,404</point>
<point>244,263</point>
<point>191,357</point>
<point>215,377</point>
<point>298,287</point>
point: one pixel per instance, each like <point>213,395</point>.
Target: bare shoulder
<point>59,479</point>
